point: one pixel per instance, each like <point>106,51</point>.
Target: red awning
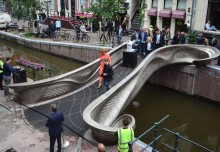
<point>165,13</point>
<point>152,12</point>
<point>179,14</point>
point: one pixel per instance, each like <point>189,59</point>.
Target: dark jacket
<point>54,123</point>
<point>52,27</point>
<point>109,71</point>
<point>134,36</point>
<point>152,46</point>
<point>7,69</point>
<point>162,40</point>
<point>140,36</point>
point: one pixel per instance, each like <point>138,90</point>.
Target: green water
<point>194,118</point>
<point>59,65</point>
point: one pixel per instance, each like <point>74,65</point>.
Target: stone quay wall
<point>79,52</point>
<point>203,82</point>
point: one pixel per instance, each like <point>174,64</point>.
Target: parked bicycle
<point>83,37</point>
<point>62,35</point>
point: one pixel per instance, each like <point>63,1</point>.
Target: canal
<point>58,64</point>
<point>194,118</point>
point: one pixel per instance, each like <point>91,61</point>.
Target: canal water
<point>58,64</point>
<point>194,118</point>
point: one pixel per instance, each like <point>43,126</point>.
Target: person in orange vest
<point>125,135</point>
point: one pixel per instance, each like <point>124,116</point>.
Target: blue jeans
<point>212,28</point>
<point>106,84</point>
<point>119,40</point>
<point>7,80</point>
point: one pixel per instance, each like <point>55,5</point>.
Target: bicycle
<point>83,37</point>
<point>62,35</point>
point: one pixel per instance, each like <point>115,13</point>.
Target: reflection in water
<point>194,118</point>
<point>58,64</point>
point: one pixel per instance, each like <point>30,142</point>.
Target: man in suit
<point>159,39</point>
<point>142,37</point>
<point>54,123</point>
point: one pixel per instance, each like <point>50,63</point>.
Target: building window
<point>181,5</point>
<point>168,4</point>
<point>154,3</point>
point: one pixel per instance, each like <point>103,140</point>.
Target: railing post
<point>130,147</point>
<point>176,142</point>
<point>68,15</point>
<point>49,72</point>
<point>34,74</point>
<point>155,136</point>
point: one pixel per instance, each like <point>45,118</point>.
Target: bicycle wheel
<point>75,39</point>
<point>85,38</point>
<point>67,36</point>
<point>58,36</point>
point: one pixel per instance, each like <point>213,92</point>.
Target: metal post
<point>130,147</point>
<point>49,72</point>
<point>176,142</point>
<point>34,74</point>
<point>48,18</point>
<point>68,15</point>
<point>155,136</point>
<point>65,143</point>
<point>113,40</point>
<point>16,115</point>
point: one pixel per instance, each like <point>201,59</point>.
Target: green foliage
<point>28,34</point>
<point>105,9</point>
<point>192,37</point>
<point>25,9</point>
<point>141,17</point>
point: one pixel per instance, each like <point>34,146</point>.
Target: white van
<point>4,20</point>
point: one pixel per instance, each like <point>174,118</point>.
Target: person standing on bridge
<point>103,54</point>
<point>125,135</point>
<point>54,123</point>
<point>1,72</point>
<point>107,73</point>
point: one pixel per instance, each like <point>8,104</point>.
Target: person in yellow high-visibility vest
<point>1,72</point>
<point>125,135</point>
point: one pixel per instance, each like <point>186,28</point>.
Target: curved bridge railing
<point>62,85</point>
<point>102,114</point>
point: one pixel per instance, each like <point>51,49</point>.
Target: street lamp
<point>47,5</point>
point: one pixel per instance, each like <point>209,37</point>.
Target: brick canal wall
<point>203,82</point>
<point>79,52</point>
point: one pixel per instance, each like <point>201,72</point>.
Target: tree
<point>106,9</point>
<point>25,9</point>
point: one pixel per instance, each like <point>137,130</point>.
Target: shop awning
<point>179,14</point>
<point>165,13</point>
<point>152,12</point>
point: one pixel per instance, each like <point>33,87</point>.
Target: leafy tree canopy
<point>106,9</point>
<point>25,9</point>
